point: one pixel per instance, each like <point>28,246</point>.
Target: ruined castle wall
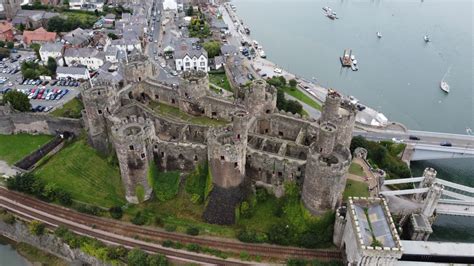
<point>158,92</point>
<point>137,69</point>
<point>195,134</point>
<point>285,127</point>
<point>218,108</point>
<point>38,124</point>
<point>178,155</point>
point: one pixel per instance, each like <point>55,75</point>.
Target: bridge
<point>454,199</point>
<point>428,146</point>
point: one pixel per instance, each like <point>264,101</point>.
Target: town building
<point>90,5</point>
<point>33,19</point>
<point>9,8</point>
<point>78,38</point>
<point>188,56</point>
<point>54,50</point>
<point>88,57</point>
<point>109,20</point>
<point>75,73</point>
<point>39,35</point>
<point>6,31</point>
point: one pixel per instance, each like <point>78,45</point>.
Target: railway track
<point>153,235</point>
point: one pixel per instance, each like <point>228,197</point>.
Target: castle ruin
<point>255,146</point>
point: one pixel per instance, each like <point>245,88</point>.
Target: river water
<point>399,74</point>
<point>9,256</point>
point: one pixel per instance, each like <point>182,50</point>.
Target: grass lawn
<point>263,217</point>
<point>356,169</point>
<point>165,184</point>
<point>175,113</point>
<point>15,147</point>
<point>71,109</point>
<point>79,170</point>
<point>302,97</point>
<point>221,81</point>
<point>356,189</point>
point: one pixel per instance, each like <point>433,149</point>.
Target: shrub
<point>194,231</point>
<point>178,245</point>
<point>18,100</point>
<point>137,257</point>
<point>64,197</point>
<point>296,262</point>
<point>157,260</point>
<point>158,221</point>
<point>244,255</point>
<point>116,212</point>
<point>139,219</point>
<point>193,247</point>
<point>168,243</point>
<point>88,209</point>
<point>9,218</point>
<point>37,228</point>
<point>170,227</point>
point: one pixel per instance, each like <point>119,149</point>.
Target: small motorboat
<point>379,35</point>
<point>427,38</point>
<point>444,86</point>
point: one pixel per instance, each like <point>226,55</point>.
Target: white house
<point>54,50</point>
<point>77,73</point>
<point>127,44</point>
<point>89,57</point>
<point>191,58</point>
<point>111,55</point>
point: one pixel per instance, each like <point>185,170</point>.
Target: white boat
<point>379,35</point>
<point>444,86</point>
<point>427,38</point>
<point>354,62</point>
<point>327,9</point>
<point>262,54</point>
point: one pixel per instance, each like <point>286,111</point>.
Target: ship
<point>444,86</point>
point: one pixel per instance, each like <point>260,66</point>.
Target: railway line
<point>73,219</point>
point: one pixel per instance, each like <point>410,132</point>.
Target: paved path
<point>6,170</point>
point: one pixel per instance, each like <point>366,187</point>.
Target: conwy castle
<point>259,146</point>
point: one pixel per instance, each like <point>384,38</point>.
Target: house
<point>127,43</point>
<point>89,57</point>
<point>109,20</point>
<point>76,73</point>
<point>54,50</point>
<point>218,62</point>
<point>90,5</point>
<point>6,31</point>
<point>33,19</point>
<point>228,50</point>
<point>189,56</point>
<point>39,35</point>
<point>111,55</point>
<point>78,38</point>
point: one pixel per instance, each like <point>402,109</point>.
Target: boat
<point>379,35</point>
<point>427,38</point>
<point>331,16</point>
<point>247,30</point>
<point>327,9</point>
<point>444,86</point>
<point>262,54</point>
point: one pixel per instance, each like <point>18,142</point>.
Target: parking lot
<point>44,96</point>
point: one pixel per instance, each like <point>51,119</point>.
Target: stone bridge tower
<point>133,144</point>
<point>100,102</point>
<point>227,157</point>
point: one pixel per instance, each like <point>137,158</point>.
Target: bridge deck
<point>404,191</point>
<point>454,185</point>
<point>403,180</point>
<point>451,209</point>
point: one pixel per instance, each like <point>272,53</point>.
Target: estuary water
<point>399,74</point>
<point>9,256</point>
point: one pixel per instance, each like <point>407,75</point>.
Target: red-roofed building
<point>6,31</point>
<point>39,35</point>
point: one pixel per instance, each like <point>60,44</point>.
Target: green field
<point>355,189</point>
<point>302,97</point>
<point>356,169</point>
<point>175,113</point>
<point>79,170</point>
<point>15,147</point>
<point>165,184</point>
<point>221,81</point>
<point>71,109</point>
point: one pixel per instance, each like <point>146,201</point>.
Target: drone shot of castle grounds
<point>236,132</point>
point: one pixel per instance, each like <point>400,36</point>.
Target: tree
<point>213,48</point>
<point>157,260</point>
<point>292,83</point>
<point>2,44</point>
<point>190,11</point>
<point>137,257</point>
<point>56,24</point>
<point>66,3</point>
<point>37,228</point>
<point>21,27</point>
<point>18,100</point>
<point>36,4</point>
<point>4,53</point>
<point>64,197</point>
<point>52,66</point>
<point>294,107</point>
<point>194,231</point>
<point>49,192</point>
<point>116,212</point>
<point>112,36</point>
<point>10,45</point>
<point>36,47</point>
<point>139,219</point>
<point>30,74</point>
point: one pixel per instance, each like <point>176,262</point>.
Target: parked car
<point>277,70</point>
<point>411,137</point>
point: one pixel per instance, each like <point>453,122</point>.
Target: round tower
<point>260,97</point>
<point>331,107</point>
<point>133,141</point>
<point>195,84</point>
<point>136,68</point>
<point>346,123</point>
<point>326,139</point>
<point>100,101</point>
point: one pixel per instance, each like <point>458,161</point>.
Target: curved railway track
<point>153,235</point>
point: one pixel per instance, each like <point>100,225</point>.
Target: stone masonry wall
<point>38,124</point>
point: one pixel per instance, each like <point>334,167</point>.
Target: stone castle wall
<point>30,123</point>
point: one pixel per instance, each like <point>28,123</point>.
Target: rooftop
<point>71,70</point>
<point>39,34</point>
<point>52,47</point>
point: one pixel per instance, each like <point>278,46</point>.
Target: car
<point>397,140</point>
<point>155,41</point>
<point>277,70</point>
<point>163,64</point>
<point>250,76</point>
<point>47,109</point>
<point>174,73</point>
<point>263,75</point>
<point>412,137</point>
<point>446,144</point>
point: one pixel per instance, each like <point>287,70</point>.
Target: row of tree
<point>284,104</point>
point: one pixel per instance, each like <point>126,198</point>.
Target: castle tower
<point>195,84</point>
<point>431,200</point>
<point>136,68</point>
<point>132,140</point>
<point>346,123</point>
<point>326,167</point>
<point>260,97</point>
<point>331,107</point>
<point>100,101</point>
<point>227,158</point>
<point>429,175</point>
